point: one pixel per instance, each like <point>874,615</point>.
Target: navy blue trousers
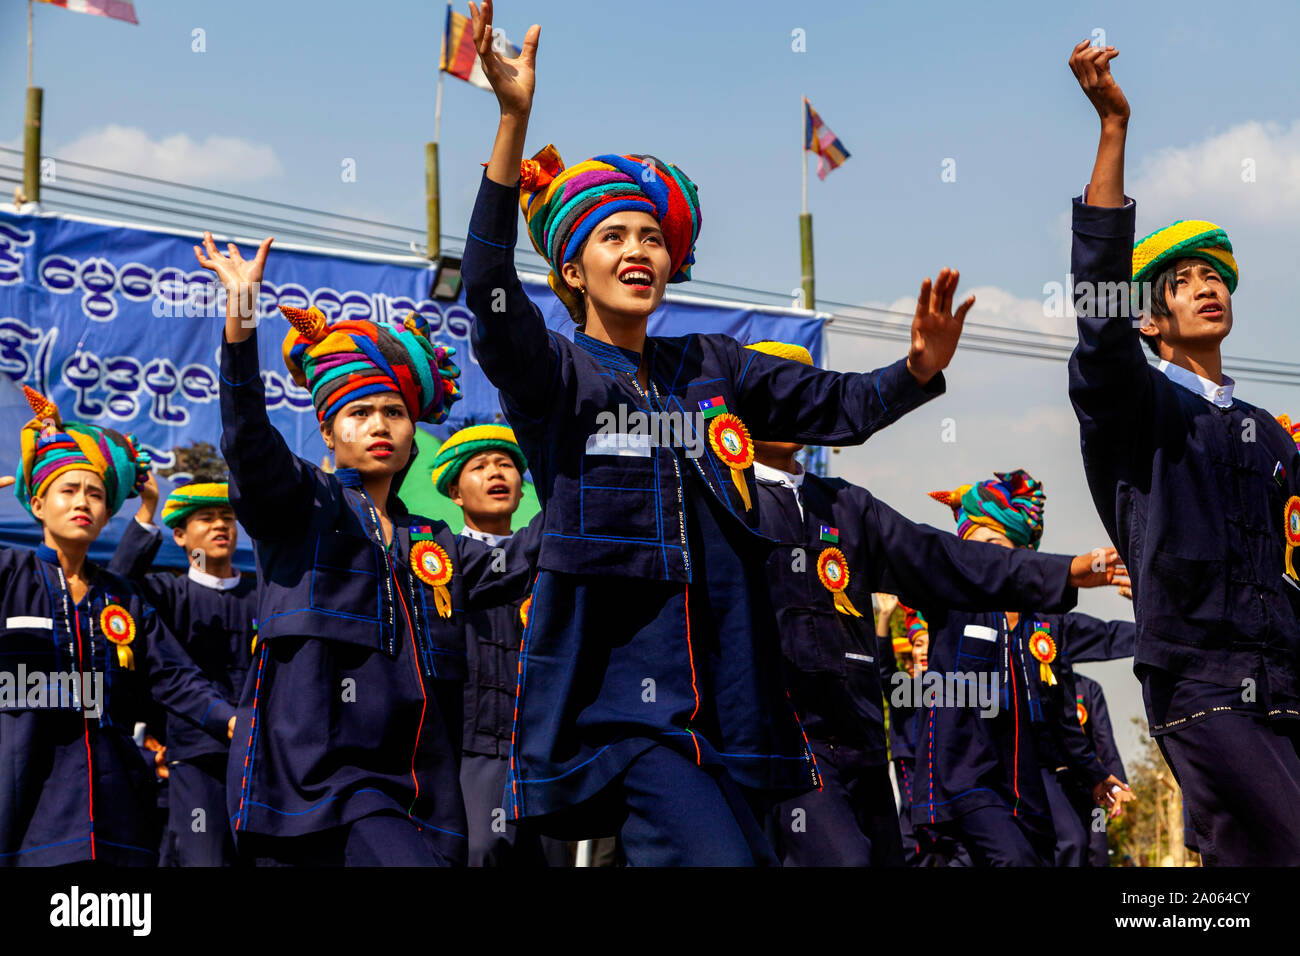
<point>1241,787</point>
<point>493,841</point>
<point>992,837</point>
<point>198,832</point>
<point>381,839</point>
<point>1071,829</point>
<point>851,821</point>
<point>670,812</point>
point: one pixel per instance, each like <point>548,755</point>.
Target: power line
<point>846,317</point>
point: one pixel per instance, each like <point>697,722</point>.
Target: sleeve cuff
<point>495,221</point>
<point>218,718</point>
<point>148,526</point>
<point>899,390</point>
<point>240,364</point>
<point>1105,222</point>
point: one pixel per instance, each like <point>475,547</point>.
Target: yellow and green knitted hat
<point>785,350</point>
<point>468,442</point>
<point>1186,237</point>
<point>187,499</point>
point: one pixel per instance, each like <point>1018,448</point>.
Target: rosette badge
<point>432,565</point>
<point>730,441</point>
<point>1043,648</point>
<point>119,627</point>
<point>833,572</point>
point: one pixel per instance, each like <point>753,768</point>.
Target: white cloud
<point>1212,179</point>
<point>215,160</point>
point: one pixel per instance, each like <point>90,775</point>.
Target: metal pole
<point>805,218</point>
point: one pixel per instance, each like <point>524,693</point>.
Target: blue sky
<point>286,91</point>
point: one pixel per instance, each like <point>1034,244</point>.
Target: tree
<point>1151,831</point>
<point>198,461</point>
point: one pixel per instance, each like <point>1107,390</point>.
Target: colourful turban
<point>1012,503</point>
<point>914,624</point>
<point>196,496</point>
<point>785,350</point>
<point>1186,237</point>
<point>468,442</point>
<point>562,206</point>
<point>354,358</point>
<point>50,448</point>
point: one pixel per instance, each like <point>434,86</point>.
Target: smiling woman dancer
<point>78,650</point>
<point>650,698</point>
<point>354,702</point>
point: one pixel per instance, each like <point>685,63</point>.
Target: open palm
<point>234,271</point>
<point>513,80</point>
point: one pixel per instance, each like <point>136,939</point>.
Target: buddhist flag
<point>818,137</point>
<point>459,58</point>
<point>117,9</point>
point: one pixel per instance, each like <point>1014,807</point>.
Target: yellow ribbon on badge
<point>432,566</point>
<point>833,572</point>
<point>1043,648</point>
<point>119,627</point>
<point>1291,523</point>
<point>730,441</point>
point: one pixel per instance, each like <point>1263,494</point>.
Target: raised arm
<point>782,400</point>
<point>271,489</point>
<point>926,567</point>
<point>139,545</point>
<point>1109,376</point>
<point>510,338</point>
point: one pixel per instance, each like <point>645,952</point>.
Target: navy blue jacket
<point>1096,723</point>
<point>621,514</point>
<point>966,760</point>
<point>74,787</point>
<point>1059,739</point>
<point>493,636</point>
<point>834,668</point>
<point>1194,506</point>
<point>214,627</point>
<point>354,704</point>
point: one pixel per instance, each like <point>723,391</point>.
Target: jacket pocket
<point>344,580</point>
<point>618,494</point>
<point>1186,600</point>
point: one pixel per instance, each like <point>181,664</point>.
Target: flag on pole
<point>116,9</point>
<point>459,58</point>
<point>818,137</point>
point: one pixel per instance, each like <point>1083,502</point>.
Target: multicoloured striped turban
<point>354,358</point>
<point>562,206</point>
<point>1186,237</point>
<point>50,448</point>
<point>1011,503</point>
<point>914,624</point>
<point>196,496</point>
<point>785,350</point>
<point>457,450</point>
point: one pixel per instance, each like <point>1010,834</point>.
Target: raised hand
<point>1091,67</point>
<point>234,271</point>
<point>241,279</point>
<point>1098,568</point>
<point>935,329</point>
<point>148,500</point>
<point>513,80</point>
